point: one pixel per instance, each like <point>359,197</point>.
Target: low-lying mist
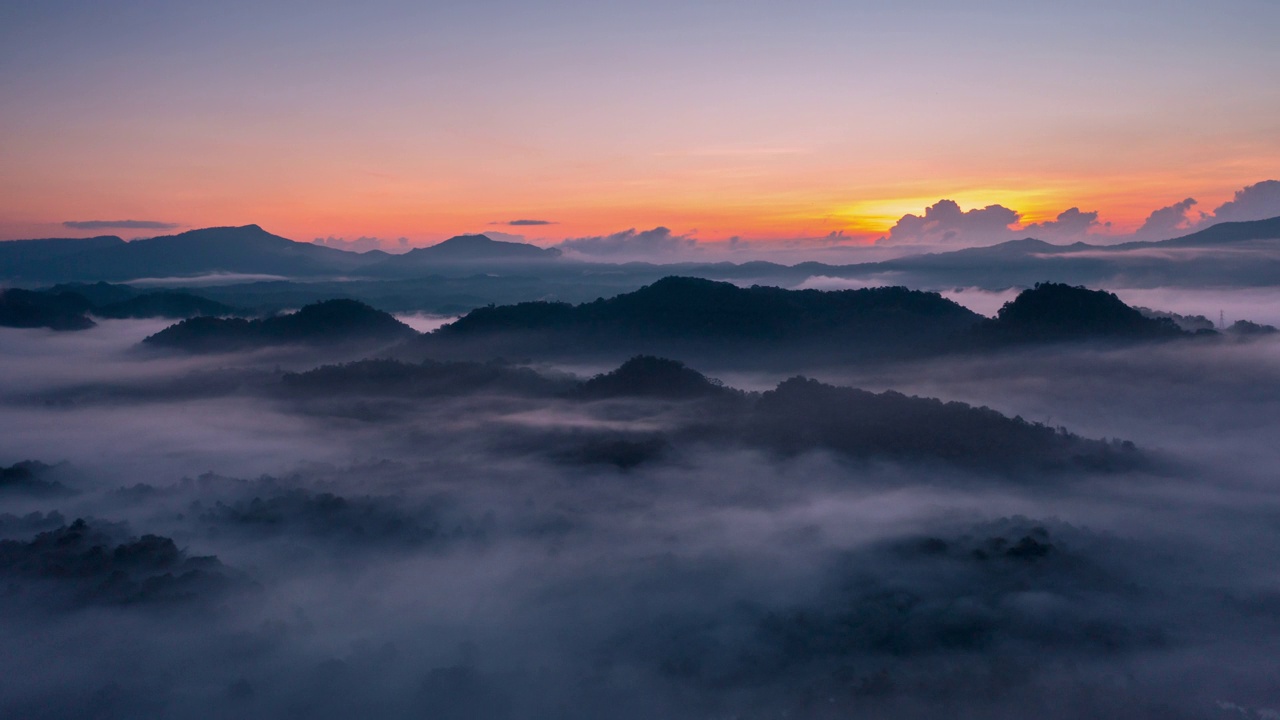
<point>255,545</point>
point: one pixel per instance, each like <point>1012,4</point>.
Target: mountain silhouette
<point>469,261</point>
<point>704,318</point>
<point>798,416</point>
<point>1052,312</point>
<point>244,250</point>
<point>803,414</point>
<point>54,310</point>
<point>165,304</point>
<point>1225,233</point>
<point>479,247</point>
<point>649,376</point>
<point>327,323</point>
<point>65,308</point>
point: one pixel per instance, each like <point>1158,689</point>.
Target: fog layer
<point>232,541</point>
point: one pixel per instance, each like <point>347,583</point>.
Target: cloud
<point>1254,202</point>
<point>630,243</point>
<point>119,225</point>
<point>521,223</point>
<point>1167,221</point>
<point>1070,223</point>
<point>945,222</point>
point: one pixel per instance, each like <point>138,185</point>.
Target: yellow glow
<point>879,214</point>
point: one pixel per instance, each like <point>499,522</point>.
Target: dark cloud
<point>658,242</point>
<point>945,222</point>
<point>1254,202</point>
<point>120,225</point>
<point>520,223</point>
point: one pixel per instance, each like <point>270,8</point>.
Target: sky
<point>765,121</point>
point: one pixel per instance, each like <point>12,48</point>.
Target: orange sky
<point>778,122</point>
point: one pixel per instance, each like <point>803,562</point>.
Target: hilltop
<point>695,317</point>
<point>1054,312</point>
<point>328,323</point>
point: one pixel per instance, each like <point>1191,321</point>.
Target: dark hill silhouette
<point>65,309</point>
<point>327,323</point>
<point>704,318</point>
<point>480,247</point>
<point>648,376</point>
<point>1053,312</point>
<point>56,311</point>
<point>30,477</point>
<point>93,563</point>
<point>464,252</point>
<point>163,305</point>
<point>99,293</point>
<point>802,414</point>
<point>1245,328</point>
<point>799,416</point>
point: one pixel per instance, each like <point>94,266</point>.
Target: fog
<point>1260,305</point>
<point>489,553</point>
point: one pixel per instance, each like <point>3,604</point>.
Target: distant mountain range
<point>247,250</point>
<point>1237,253</point>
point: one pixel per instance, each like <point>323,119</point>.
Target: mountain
<point>469,248</point>
<point>1232,254</point>
<point>99,293</point>
<point>1224,233</point>
<point>798,416</point>
<point>238,250</point>
<point>163,304</point>
<point>56,311</point>
<point>648,376</point>
<point>1054,312</point>
<point>18,254</point>
<point>69,307</point>
<point>467,252</point>
<point>692,317</point>
<point>246,250</point>
<point>30,477</point>
<point>328,323</point>
<point>803,414</point>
